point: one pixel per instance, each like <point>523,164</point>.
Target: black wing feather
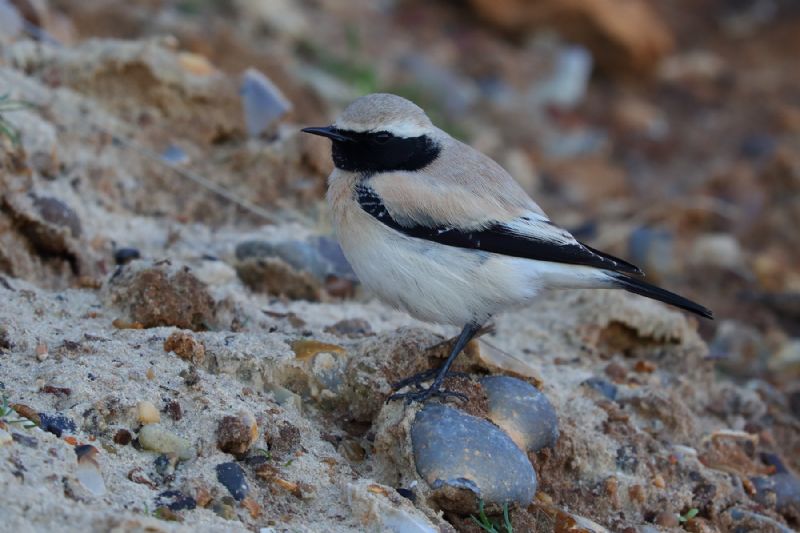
<point>496,238</point>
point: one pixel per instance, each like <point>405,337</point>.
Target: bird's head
<point>381,133</point>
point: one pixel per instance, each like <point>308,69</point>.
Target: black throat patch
<point>380,151</point>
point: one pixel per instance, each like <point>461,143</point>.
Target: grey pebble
<point>455,452</point>
<point>231,476</point>
<point>522,411</point>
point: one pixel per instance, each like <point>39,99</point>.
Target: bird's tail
<point>656,293</point>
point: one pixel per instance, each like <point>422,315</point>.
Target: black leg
<point>421,394</point>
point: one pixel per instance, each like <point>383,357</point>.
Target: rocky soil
<point>183,346</point>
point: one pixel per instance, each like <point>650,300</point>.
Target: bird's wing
<point>481,215</point>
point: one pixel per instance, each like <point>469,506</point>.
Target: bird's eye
<point>382,137</point>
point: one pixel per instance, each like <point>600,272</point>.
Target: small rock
<point>231,476</point>
<point>175,501</point>
<point>155,438</point>
<point>186,347</point>
<point>162,294</point>
<point>350,327</point>
<point>780,491</point>
<point>609,390</point>
<point>235,434</point>
<point>25,440</point>
<point>88,471</point>
<point>464,458</point>
<point>26,412</point>
<point>122,437</point>
<point>745,520</point>
<point>306,264</point>
<point>56,424</point>
<point>225,508</point>
<point>123,256</point>
<point>667,519</point>
<point>376,510</point>
<point>165,465</point>
<point>5,437</point>
<point>522,411</point>
<point>173,407</point>
<point>175,155</point>
<point>58,213</point>
<point>41,352</point>
<point>263,102</point>
<point>146,413</point>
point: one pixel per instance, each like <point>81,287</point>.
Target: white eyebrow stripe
<point>402,129</point>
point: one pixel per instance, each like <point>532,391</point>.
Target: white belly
<point>434,282</point>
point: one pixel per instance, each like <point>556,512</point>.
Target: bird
<point>436,228</point>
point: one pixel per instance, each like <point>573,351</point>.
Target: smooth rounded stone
<point>155,438</point>
<point>58,213</point>
<point>175,155</point>
<point>262,101</point>
<point>338,265</point>
<point>749,521</point>
<point>522,411</point>
<point>231,476</point>
<point>780,491</point>
<point>464,458</point>
<point>320,256</point>
<point>146,413</point>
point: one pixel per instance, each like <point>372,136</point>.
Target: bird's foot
<point>420,395</point>
<point>418,379</point>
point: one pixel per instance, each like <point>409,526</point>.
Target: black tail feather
<point>656,293</point>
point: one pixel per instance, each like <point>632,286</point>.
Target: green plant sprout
<point>6,128</point>
<point>487,524</point>
<point>10,417</point>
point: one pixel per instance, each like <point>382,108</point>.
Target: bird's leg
<point>421,394</point>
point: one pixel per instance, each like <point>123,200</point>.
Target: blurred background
<point>667,133</point>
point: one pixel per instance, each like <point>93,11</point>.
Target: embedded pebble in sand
<point>146,413</point>
<point>235,434</point>
<point>464,458</point>
<point>522,411</point>
<point>155,438</point>
<point>57,424</point>
<point>231,476</point>
<point>88,471</point>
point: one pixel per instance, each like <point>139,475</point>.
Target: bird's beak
<point>328,131</point>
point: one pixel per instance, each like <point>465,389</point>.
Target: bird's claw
<point>417,379</point>
<point>420,395</point>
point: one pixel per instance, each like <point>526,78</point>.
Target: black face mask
<point>381,151</point>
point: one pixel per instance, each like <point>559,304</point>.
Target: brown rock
<point>667,519</point>
<point>122,437</point>
<point>275,276</point>
<point>235,434</point>
<point>626,37</point>
<point>186,347</point>
<point>162,294</point>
